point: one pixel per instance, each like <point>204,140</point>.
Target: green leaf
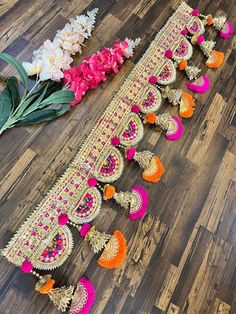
<point>5,106</point>
<point>36,104</point>
<point>12,84</point>
<point>62,96</point>
<point>28,101</point>
<point>17,65</point>
<point>47,114</point>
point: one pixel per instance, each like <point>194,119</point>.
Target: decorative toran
<point>44,241</point>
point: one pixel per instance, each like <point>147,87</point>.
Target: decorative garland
<point>44,241</point>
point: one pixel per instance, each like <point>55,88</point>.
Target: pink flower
<point>96,68</point>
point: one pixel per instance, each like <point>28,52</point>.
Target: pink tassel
<point>179,131</point>
<point>85,229</point>
<point>142,212</point>
<point>138,211</point>
<point>84,297</point>
<point>201,85</point>
<point>227,30</point>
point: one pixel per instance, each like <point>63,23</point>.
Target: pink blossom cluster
<point>96,68</point>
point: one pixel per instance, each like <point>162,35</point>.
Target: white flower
<point>131,45</point>
<point>84,24</point>
<point>53,57</point>
<point>69,40</point>
<point>49,61</point>
<point>33,68</point>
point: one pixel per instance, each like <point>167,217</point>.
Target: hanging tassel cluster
<point>215,58</point>
<point>136,201</point>
<point>96,239</point>
<point>191,71</point>
<point>220,23</point>
<point>171,124</point>
<point>176,97</point>
<point>61,297</point>
<point>82,298</point>
<point>153,167</point>
<point>114,246</point>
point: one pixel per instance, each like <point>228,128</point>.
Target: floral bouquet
<point>46,100</point>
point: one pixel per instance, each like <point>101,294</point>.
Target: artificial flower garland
<point>53,57</point>
<point>96,68</point>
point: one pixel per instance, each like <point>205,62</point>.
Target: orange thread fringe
<point>150,118</point>
<point>118,259</point>
<point>154,171</point>
<point>217,58</point>
<point>187,106</point>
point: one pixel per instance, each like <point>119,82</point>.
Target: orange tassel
<point>182,65</point>
<point>187,105</point>
<point>215,60</point>
<point>210,21</point>
<point>154,171</point>
<point>150,118</point>
<point>47,287</point>
<point>115,251</point>
<point>108,191</point>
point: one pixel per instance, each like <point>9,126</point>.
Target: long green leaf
<point>62,96</point>
<point>14,89</point>
<point>39,116</point>
<point>17,65</point>
<point>36,104</point>
<point>5,106</point>
<point>26,103</point>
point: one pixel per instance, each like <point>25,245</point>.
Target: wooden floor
<point>182,255</point>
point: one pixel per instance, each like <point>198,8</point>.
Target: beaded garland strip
<point>40,238</point>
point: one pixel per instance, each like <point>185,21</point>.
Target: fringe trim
<point>187,106</point>
<point>154,170</point>
<point>119,258</point>
<point>215,60</point>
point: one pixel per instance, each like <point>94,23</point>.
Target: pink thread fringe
<point>179,131</point>
<point>90,299</point>
<point>200,87</point>
<point>144,203</point>
<point>227,30</point>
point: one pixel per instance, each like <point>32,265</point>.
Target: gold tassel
<point>97,239</point>
<point>207,46</point>
<point>143,158</point>
<point>219,22</point>
<point>173,95</point>
<point>192,72</point>
<point>125,199</point>
<point>163,120</point>
<point>59,296</point>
